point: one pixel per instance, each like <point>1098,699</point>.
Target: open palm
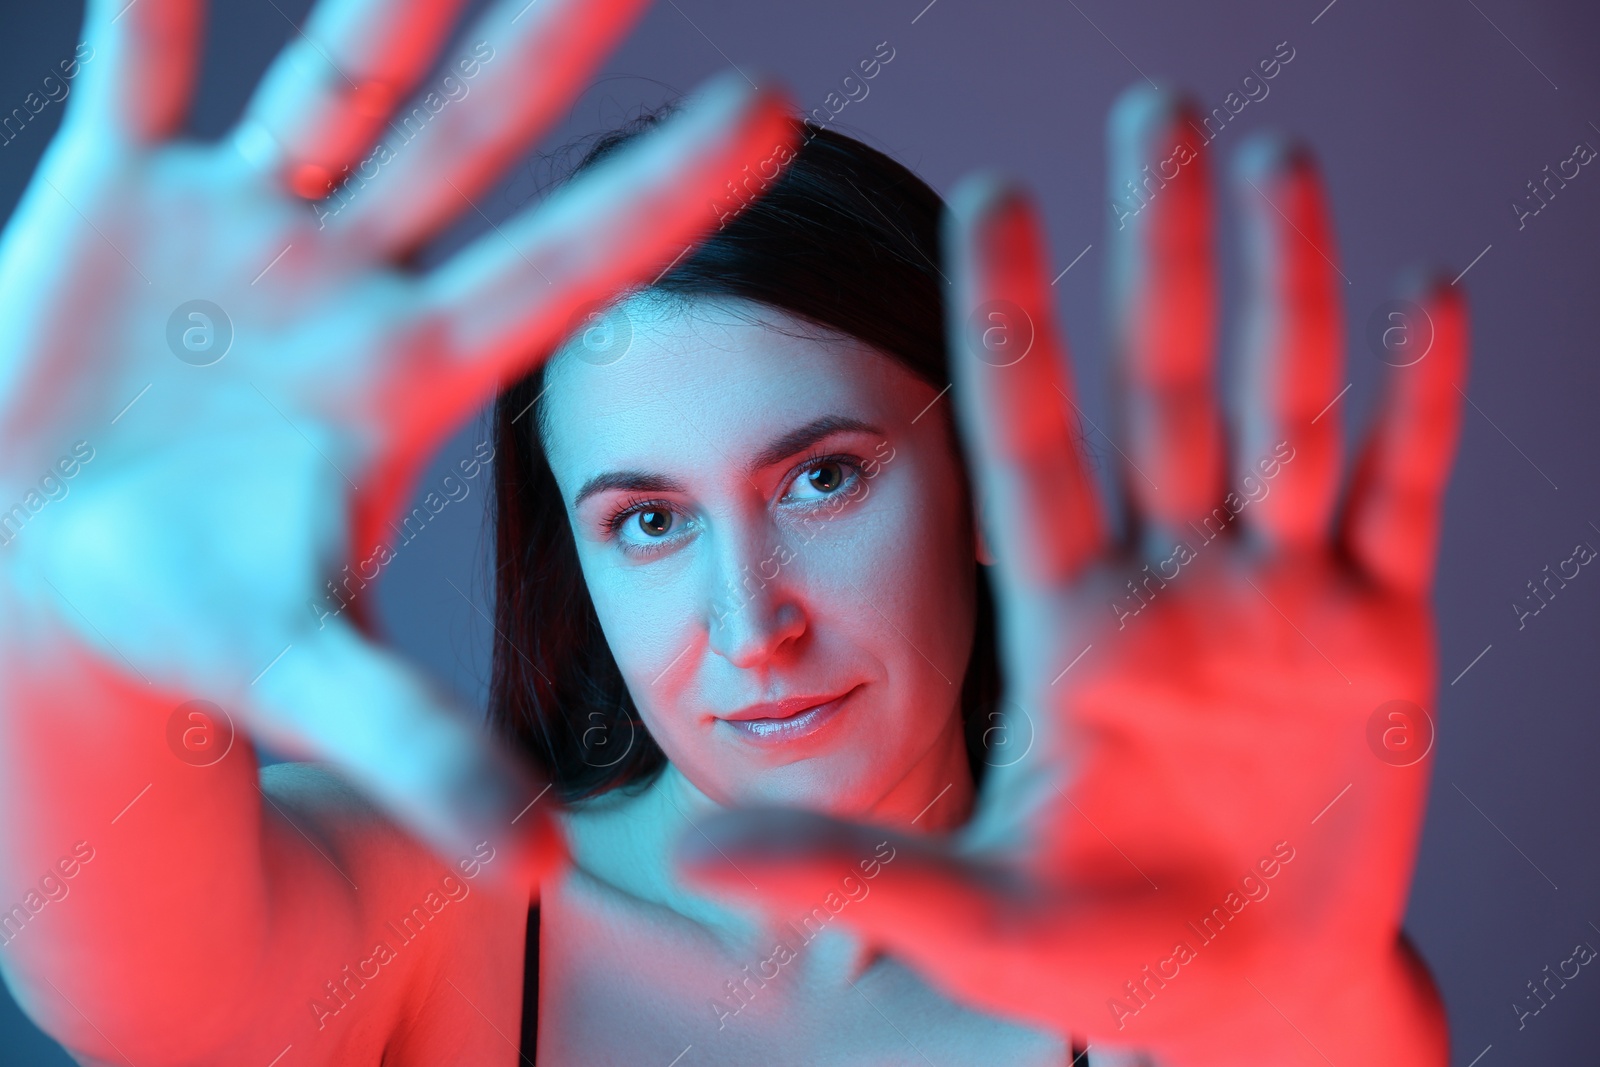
<point>258,377</point>
<point>1197,830</point>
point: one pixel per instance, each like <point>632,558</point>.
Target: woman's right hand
<point>257,380</point>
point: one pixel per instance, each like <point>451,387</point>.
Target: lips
<point>786,708</point>
<point>786,721</point>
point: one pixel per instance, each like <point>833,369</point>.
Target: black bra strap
<point>530,988</point>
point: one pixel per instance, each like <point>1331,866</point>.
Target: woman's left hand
<point>1198,836</point>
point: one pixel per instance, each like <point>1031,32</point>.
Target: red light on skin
<point>310,181</point>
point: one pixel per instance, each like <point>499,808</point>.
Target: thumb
<point>912,895</point>
<point>981,932</point>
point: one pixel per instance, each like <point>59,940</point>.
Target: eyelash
<point>635,505</point>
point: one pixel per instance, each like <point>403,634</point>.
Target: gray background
<point>1428,118</point>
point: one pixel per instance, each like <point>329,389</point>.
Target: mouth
<point>797,724</point>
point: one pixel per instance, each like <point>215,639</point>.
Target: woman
<point>1147,845</point>
<point>842,565</point>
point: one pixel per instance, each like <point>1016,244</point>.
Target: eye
<point>826,477</point>
<point>655,522</point>
<point>826,474</point>
<point>647,527</point>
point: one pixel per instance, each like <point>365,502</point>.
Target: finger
<point>968,927</point>
<point>1391,524</point>
<point>912,895</point>
<point>531,62</point>
<point>334,696</point>
<point>1291,361</point>
<point>1163,308</point>
<point>505,300</point>
<point>1013,393</point>
<point>135,68</point>
<point>333,86</point>
<point>790,858</point>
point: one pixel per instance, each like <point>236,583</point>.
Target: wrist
<point>1386,1012</point>
<point>1409,1023</point>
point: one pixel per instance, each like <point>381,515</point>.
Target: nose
<point>753,609</point>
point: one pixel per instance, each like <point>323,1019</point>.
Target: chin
<point>845,790</point>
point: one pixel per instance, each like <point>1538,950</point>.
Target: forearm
<point>132,895</point>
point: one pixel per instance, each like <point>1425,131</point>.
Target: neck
<point>627,842</point>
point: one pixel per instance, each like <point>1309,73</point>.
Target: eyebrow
<point>775,452</point>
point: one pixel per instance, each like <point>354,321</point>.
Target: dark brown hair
<point>845,237</point>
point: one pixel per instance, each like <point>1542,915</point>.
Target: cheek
<point>909,558</point>
<point>648,616</point>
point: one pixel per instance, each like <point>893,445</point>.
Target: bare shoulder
<point>380,951</point>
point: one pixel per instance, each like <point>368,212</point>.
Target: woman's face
<point>758,517</point>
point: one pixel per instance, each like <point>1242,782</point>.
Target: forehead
<point>710,383</point>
